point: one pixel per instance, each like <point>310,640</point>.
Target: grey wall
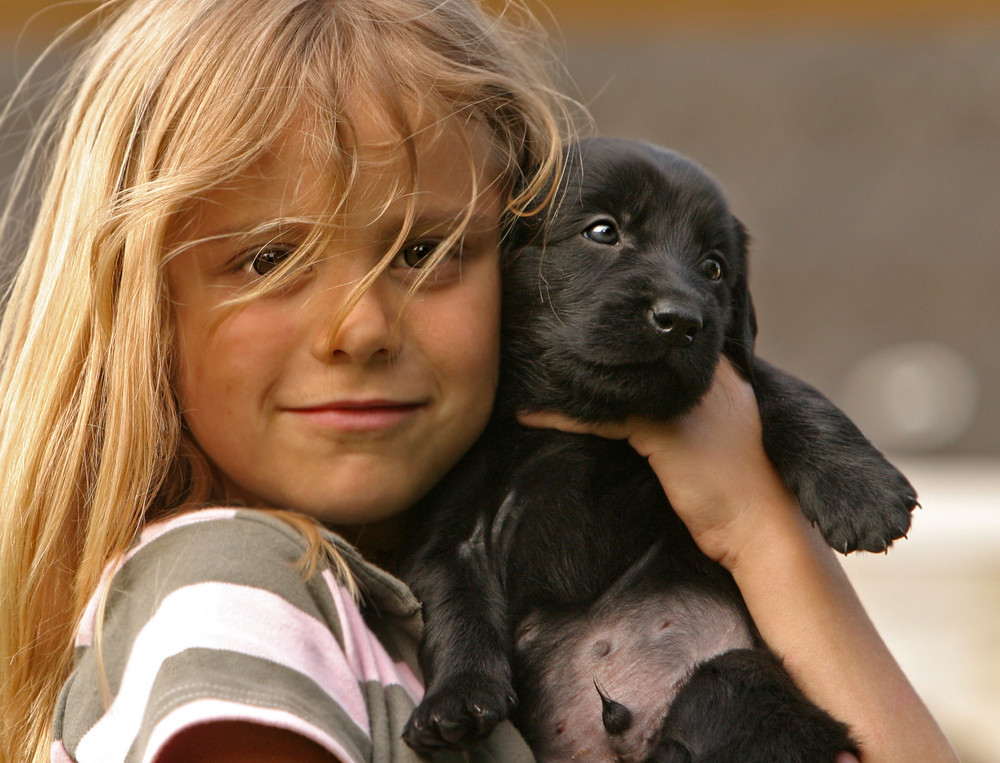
<point>868,172</point>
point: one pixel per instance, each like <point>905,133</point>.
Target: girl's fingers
<point>726,405</point>
<point>548,420</point>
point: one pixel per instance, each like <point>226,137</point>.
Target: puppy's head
<point>620,298</point>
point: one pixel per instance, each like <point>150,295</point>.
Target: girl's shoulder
<point>211,615</point>
<point>261,549</point>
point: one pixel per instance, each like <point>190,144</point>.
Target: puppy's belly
<point>638,651</point>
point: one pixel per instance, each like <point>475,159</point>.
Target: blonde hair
<point>168,101</point>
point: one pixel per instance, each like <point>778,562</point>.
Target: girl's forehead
<point>315,172</point>
<point>371,143</point>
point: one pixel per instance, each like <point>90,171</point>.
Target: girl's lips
<point>359,416</point>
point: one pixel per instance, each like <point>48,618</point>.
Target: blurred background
<point>859,141</point>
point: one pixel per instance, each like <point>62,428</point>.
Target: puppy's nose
<point>677,324</point>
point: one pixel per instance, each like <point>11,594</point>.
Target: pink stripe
<point>364,652</point>
<point>154,530</point>
<point>224,616</point>
<point>85,630</point>
<point>207,710</point>
<point>411,682</point>
<point>58,754</point>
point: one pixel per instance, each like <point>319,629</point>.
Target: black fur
<point>558,586</point>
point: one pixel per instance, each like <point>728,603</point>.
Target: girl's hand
<point>711,463</point>
<point>713,468</point>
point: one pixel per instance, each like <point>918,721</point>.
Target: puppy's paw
<point>845,486</point>
<point>459,713</point>
<point>864,508</point>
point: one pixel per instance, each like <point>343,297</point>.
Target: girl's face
<point>349,424</point>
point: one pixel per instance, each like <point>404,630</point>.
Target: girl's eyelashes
<point>262,260</point>
<point>413,258</point>
<point>420,255</point>
<point>417,254</point>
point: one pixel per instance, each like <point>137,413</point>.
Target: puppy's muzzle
<point>676,323</point>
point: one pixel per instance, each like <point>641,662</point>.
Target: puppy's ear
<point>527,225</point>
<point>519,230</point>
<point>742,329</point>
<point>530,225</point>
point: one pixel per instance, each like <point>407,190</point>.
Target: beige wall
<point>715,15</point>
<point>38,15</point>
<point>860,141</point>
<point>866,162</point>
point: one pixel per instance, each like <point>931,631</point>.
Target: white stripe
<point>195,713</point>
<point>85,631</point>
<point>229,617</point>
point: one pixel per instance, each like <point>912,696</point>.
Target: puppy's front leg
<point>465,652</point>
<point>843,483</point>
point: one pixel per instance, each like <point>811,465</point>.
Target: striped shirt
<point>207,618</point>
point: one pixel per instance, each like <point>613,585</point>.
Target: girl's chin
<point>365,512</point>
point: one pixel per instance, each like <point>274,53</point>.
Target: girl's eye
<point>416,255</point>
<point>268,258</point>
<point>712,269</point>
<point>424,259</point>
<point>602,232</point>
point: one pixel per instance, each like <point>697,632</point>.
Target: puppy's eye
<point>712,269</point>
<point>602,232</point>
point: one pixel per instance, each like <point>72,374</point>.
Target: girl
<point>265,274</point>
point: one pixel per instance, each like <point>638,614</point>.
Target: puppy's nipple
<point>617,718</point>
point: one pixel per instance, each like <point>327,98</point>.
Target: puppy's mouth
<point>643,356</point>
<point>631,364</point>
<point>612,388</point>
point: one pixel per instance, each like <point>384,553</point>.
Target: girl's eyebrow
<point>251,228</point>
<point>480,220</point>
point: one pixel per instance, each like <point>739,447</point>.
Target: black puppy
<point>558,586</point>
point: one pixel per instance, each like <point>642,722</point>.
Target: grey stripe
<point>78,708</point>
<point>258,550</point>
<point>261,554</point>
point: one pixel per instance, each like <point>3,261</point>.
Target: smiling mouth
<point>359,416</point>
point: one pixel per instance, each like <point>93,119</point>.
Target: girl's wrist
<point>767,524</point>
<point>734,513</point>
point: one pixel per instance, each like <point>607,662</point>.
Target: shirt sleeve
<point>209,619</point>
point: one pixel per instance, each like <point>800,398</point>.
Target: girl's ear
<point>741,332</point>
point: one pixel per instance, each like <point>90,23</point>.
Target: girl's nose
<point>367,332</point>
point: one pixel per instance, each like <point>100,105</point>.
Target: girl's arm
<point>240,742</point>
<point>713,468</point>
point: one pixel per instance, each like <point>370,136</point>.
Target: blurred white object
<point>915,396</point>
<point>936,598</point>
